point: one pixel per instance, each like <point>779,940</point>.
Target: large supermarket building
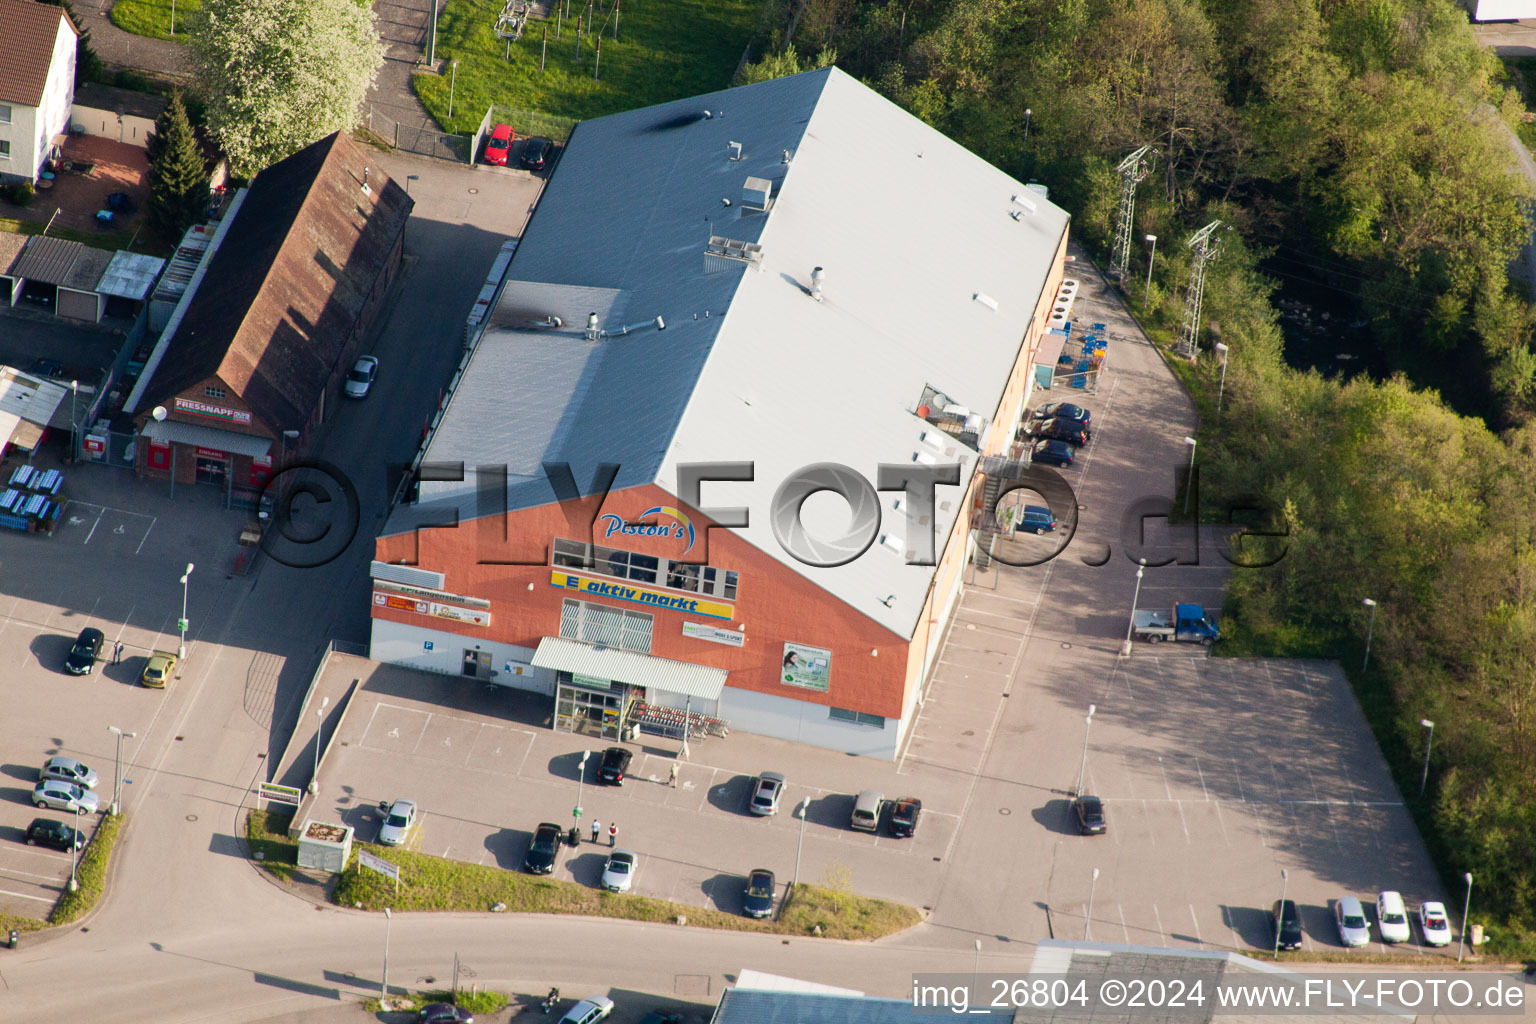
<point>790,274</point>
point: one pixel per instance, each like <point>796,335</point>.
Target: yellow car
<point>158,671</point>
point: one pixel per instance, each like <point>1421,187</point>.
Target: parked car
<point>46,368</point>
<point>536,153</point>
<point>619,872</point>
<point>67,769</point>
<point>158,669</point>
<point>589,1011</point>
<point>64,796</point>
<point>1434,924</point>
<point>82,656</point>
<point>1061,430</point>
<point>444,1013</point>
<point>1052,453</point>
<point>615,764</point>
<point>662,1017</point>
<point>1349,915</point>
<point>758,898</point>
<point>360,379</point>
<point>499,145</point>
<point>904,814</point>
<point>1064,411</point>
<point>1287,921</point>
<point>1035,519</point>
<point>766,793</point>
<point>543,850</point>
<point>47,832</point>
<point>1089,811</point>
<point>1392,917</point>
<point>399,817</point>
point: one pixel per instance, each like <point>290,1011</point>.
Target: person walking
<point>597,829</point>
<point>613,835</point>
<point>117,652</point>
<point>674,775</point>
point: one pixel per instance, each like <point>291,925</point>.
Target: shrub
<point>91,873</point>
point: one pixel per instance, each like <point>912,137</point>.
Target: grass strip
<point>91,872</point>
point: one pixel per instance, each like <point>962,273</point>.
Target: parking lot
<point>485,769</point>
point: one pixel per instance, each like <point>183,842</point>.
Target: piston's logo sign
<point>642,528</point>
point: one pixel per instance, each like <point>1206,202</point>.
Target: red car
<point>499,145</point>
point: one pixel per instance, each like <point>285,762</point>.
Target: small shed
<point>11,245</point>
<point>122,115</point>
<point>325,846</point>
<point>125,285</point>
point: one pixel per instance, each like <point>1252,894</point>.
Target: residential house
<point>37,82</point>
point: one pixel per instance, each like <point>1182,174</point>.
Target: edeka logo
<point>639,595</point>
<point>640,528</point>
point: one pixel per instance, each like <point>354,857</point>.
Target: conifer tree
<point>178,175</point>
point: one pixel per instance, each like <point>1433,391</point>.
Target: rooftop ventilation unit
<point>818,275</point>
<point>1027,205</point>
<point>593,334</point>
<point>733,151</point>
<point>986,300</point>
<point>757,194</point>
<point>730,253</point>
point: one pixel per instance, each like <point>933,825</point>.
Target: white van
<point>866,810</point>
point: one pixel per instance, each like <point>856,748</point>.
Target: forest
<point>1362,152</point>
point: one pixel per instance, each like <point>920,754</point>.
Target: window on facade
<point>213,392</point>
<point>5,149</point>
<point>856,717</point>
<point>611,627</point>
<point>631,565</point>
<point>5,117</point>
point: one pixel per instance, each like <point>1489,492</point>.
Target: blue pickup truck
<point>1187,624</point>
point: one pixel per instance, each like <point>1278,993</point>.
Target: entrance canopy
<point>207,437</point>
<point>629,667</point>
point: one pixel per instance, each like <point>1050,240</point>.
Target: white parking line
<point>1238,775</point>
<point>26,896</point>
<point>1196,920</point>
<point>1162,934</point>
<point>1123,926</point>
<point>1180,805</point>
<point>1203,791</point>
<point>1224,837</point>
<point>7,872</point>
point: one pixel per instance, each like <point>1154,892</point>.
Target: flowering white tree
<point>280,74</point>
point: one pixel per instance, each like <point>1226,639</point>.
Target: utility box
<point>325,846</point>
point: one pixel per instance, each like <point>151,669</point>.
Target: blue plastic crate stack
<point>31,500</point>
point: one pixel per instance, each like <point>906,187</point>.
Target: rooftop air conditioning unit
<point>757,194</point>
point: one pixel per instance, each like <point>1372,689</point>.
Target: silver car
<point>361,378</point>
<point>67,769</point>
<point>1349,915</point>
<point>397,822</point>
<point>619,873</point>
<point>62,796</point>
<point>766,793</point>
<point>589,1011</point>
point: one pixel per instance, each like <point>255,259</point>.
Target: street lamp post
<point>1222,388</point>
<point>159,413</point>
<point>74,851</point>
<point>1088,921</point>
<point>1130,627</point>
<point>314,780</point>
<point>1027,113</point>
<point>976,965</point>
<point>581,776</point>
<point>181,650</point>
<point>74,424</point>
<point>384,982</point>
<point>1150,260</point>
<point>1466,909</point>
<point>804,812</point>
<point>117,767</point>
<point>1428,742</point>
<point>1370,629</point>
<point>1082,765</point>
<point>453,79</point>
<point>408,179</point>
<point>1189,485</point>
<point>1284,877</point>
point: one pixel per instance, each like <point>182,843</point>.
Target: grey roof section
<point>130,275</point>
<point>756,1006</point>
<point>46,259</point>
<point>120,101</point>
<point>85,273</point>
<point>910,227</point>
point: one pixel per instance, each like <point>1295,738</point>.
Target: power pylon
<point>1131,170</point>
<point>1206,247</point>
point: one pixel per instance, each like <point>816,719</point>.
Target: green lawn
<point>666,50</point>
<point>153,17</point>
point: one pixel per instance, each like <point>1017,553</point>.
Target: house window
<point>213,392</point>
<point>5,114</point>
<point>631,565</point>
<point>856,717</point>
<point>5,149</point>
<point>611,627</point>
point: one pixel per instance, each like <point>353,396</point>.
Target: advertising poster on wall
<point>808,667</point>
